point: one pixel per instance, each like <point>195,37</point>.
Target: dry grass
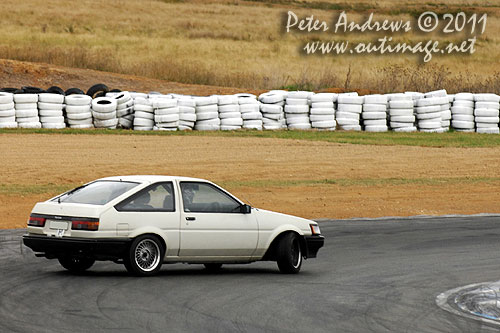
<point>237,43</point>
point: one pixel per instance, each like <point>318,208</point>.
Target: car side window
<point>155,198</point>
<point>206,198</point>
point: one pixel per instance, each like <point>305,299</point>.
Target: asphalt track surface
<point>371,276</point>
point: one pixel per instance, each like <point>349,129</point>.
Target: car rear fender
<point>152,231</point>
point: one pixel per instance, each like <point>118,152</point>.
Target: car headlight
<point>315,229</point>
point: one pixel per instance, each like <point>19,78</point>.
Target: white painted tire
<point>225,115</point>
<point>487,120</point>
<point>126,112</point>
<point>54,125</point>
<point>375,122</point>
<point>324,97</point>
<point>50,113</point>
<point>375,108</point>
<point>82,126</point>
<point>79,116</point>
<point>464,96</point>
<point>51,98</point>
<point>349,115</point>
<point>167,118</point>
<point>486,113</point>
<point>400,112</point>
<point>351,128</point>
<point>162,112</point>
<point>272,116</point>
<point>26,106</point>
<point>143,122</point>
<point>186,102</point>
<point>463,117</point>
<point>25,98</point>
<point>6,98</point>
<point>297,108</point>
<point>324,124</point>
<point>7,113</point>
<point>104,104</point>
<point>77,109</point>
<point>403,119</point>
<point>297,101</point>
<point>462,110</point>
<point>201,127</point>
<point>186,123</point>
<point>323,105</point>
<point>487,105</point>
<point>57,119</point>
<point>227,99</point>
<point>143,107</point>
<point>322,111</point>
<point>355,108</point>
<point>376,128</point>
<point>488,130</point>
<point>8,119</point>
<point>299,94</point>
<point>245,108</point>
<point>144,115</point>
<point>271,98</point>
<point>104,115</point>
<point>205,101</point>
<point>126,105</point>
<point>432,101</point>
<point>467,104</point>
<point>108,123</point>
<point>12,124</point>
<point>348,99</point>
<point>428,109</point>
<point>433,130</point>
<point>462,124</point>
<point>229,128</point>
<point>405,129</point>
<point>50,106</point>
<point>376,99</point>
<point>482,98</point>
<point>78,100</point>
<point>207,115</point>
<point>123,98</point>
<point>187,109</point>
<point>229,108</point>
<point>187,117</point>
<point>397,124</point>
<point>347,121</point>
<point>271,108</point>
<point>7,106</point>
<point>231,122</point>
<point>401,104</point>
<point>26,113</point>
<point>87,121</point>
<point>316,118</point>
<point>164,103</point>
<point>425,116</point>
<point>29,125</point>
<point>167,124</point>
<point>303,126</point>
<point>374,115</point>
<point>215,121</point>
<point>207,108</point>
<point>251,115</point>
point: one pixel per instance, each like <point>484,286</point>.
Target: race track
<point>372,275</point>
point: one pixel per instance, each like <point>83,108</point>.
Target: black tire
<point>8,90</point>
<point>115,90</point>
<point>213,267</point>
<point>74,91</point>
<point>97,88</point>
<point>289,254</point>
<point>32,90</point>
<point>76,264</point>
<point>145,256</point>
<point>100,94</point>
<point>55,90</point>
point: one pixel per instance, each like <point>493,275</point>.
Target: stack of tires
<point>104,112</point>
<point>444,103</point>
<point>250,111</point>
<point>374,113</point>
<point>7,111</point>
<point>166,114</point>
<point>27,110</point>
<point>297,110</point>
<point>349,107</point>
<point>429,114</point>
<point>462,112</point>
<point>322,112</point>
<point>78,111</point>
<point>401,113</point>
<point>486,113</point>
<point>229,112</point>
<point>271,108</point>
<point>207,114</point>
<point>50,110</point>
<point>143,114</point>
<point>125,109</point>
<point>187,113</point>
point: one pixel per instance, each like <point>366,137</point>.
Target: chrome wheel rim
<point>147,255</point>
<point>296,254</point>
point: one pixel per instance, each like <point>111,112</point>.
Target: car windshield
<point>96,193</point>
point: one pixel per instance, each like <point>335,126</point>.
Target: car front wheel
<point>145,256</point>
<point>289,254</point>
<point>76,264</point>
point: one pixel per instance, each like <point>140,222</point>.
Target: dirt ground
<point>283,175</point>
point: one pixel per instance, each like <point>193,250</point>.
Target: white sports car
<point>145,221</point>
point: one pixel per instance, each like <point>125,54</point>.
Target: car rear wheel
<point>75,264</point>
<point>145,256</point>
<point>289,254</point>
<point>213,267</point>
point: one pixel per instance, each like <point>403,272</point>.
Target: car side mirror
<point>245,209</point>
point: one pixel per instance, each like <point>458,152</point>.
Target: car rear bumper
<point>313,244</point>
<point>53,247</point>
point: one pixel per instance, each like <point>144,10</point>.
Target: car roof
<point>151,178</point>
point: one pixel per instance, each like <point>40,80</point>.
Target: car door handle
<point>190,218</point>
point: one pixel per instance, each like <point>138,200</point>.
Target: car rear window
<point>96,193</point>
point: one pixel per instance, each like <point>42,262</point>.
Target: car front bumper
<point>313,244</point>
<point>54,247</point>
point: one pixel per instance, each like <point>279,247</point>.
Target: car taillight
<point>84,225</point>
<point>36,221</point>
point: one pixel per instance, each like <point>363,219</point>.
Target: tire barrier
<point>435,111</point>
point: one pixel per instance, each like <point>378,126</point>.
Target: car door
<point>212,224</point>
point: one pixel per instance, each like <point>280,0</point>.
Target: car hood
<point>67,209</point>
<point>271,219</point>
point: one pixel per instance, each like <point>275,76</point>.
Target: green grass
<point>361,182</point>
<point>450,139</point>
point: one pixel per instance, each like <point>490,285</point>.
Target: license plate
<point>60,233</point>
<point>59,225</point>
